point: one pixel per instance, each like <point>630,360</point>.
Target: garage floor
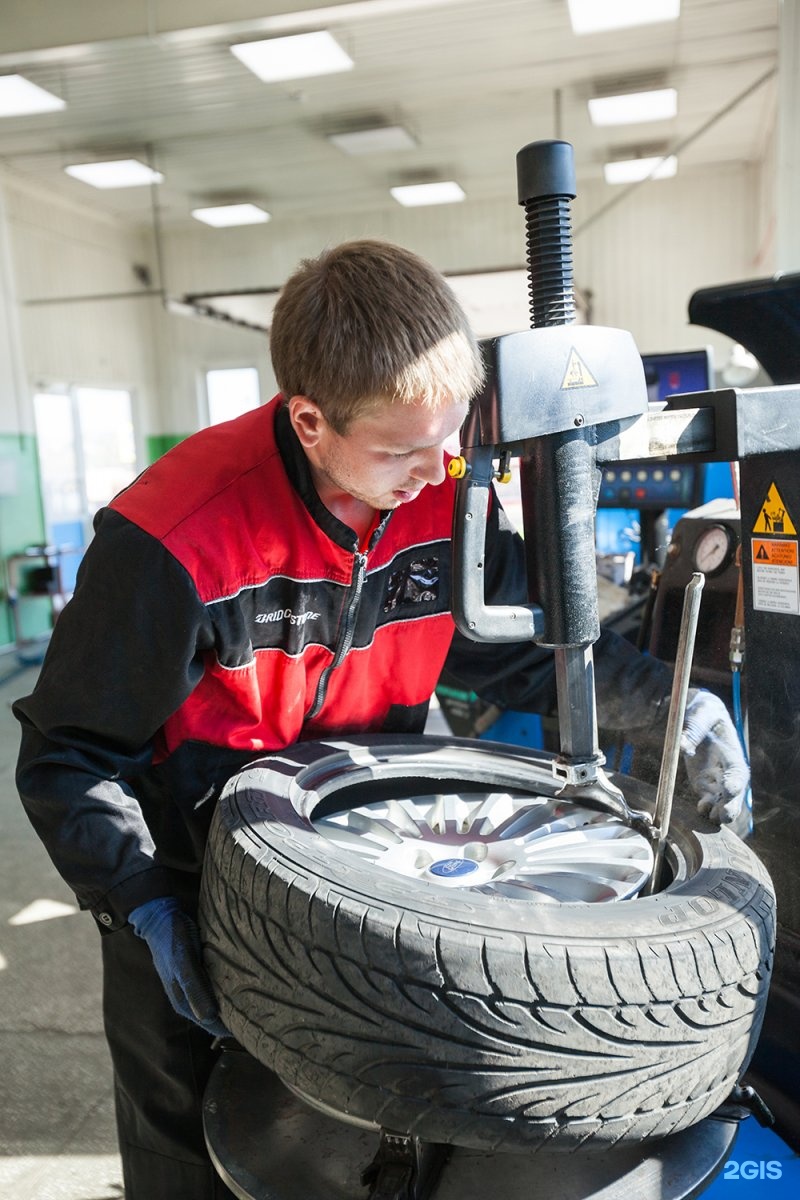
<point>57,1136</point>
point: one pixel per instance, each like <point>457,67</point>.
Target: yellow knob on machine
<point>457,467</point>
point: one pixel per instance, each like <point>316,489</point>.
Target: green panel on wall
<point>158,444</point>
<point>21,525</point>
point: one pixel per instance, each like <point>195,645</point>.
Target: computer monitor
<point>647,484</point>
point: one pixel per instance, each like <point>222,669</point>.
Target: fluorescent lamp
<point>633,170</point>
<point>296,57</point>
<point>382,139</point>
<point>634,107</point>
<point>116,173</point>
<point>594,16</point>
<point>18,97</point>
<point>223,215</point>
<point>417,194</point>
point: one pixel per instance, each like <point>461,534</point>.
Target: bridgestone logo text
<point>286,614</point>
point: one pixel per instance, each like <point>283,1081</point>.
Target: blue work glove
<point>174,942</point>
<point>715,762</point>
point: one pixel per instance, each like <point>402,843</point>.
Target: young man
<point>284,576</point>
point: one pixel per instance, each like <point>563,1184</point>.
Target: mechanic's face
<point>385,458</point>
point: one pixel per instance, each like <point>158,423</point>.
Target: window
<point>108,448</point>
<point>231,391</point>
<point>87,453</point>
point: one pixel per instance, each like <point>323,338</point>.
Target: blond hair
<point>367,322</point>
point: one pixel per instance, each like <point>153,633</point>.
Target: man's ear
<point>307,420</point>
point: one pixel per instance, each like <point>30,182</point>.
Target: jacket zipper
<point>347,632</point>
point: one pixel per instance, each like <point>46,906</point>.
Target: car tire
<point>488,1022</point>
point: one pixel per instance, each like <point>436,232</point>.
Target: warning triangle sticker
<point>773,517</point>
<point>762,552</point>
<point>577,374</point>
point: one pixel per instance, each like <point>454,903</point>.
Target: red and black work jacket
<point>222,612</point>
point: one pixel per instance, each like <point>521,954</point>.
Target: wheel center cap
<point>452,868</point>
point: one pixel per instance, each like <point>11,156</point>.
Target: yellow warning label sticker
<point>773,517</point>
<point>577,374</point>
<point>779,554</point>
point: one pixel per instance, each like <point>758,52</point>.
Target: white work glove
<point>715,762</point>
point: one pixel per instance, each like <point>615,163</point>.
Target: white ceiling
<point>472,80</point>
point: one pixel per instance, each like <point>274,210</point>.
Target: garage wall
<point>20,509</point>
<point>81,318</point>
<point>645,257</point>
<point>84,317</point>
<point>641,261</point>
<point>191,346</point>
<point>766,257</point>
<point>74,310</point>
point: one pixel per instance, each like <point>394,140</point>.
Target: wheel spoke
<point>500,843</point>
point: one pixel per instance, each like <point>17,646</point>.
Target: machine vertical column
<point>558,473</point>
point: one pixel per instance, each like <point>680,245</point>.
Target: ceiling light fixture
<point>221,216</point>
<point>19,97</point>
<point>115,173</point>
<point>381,139</point>
<point>418,194</point>
<point>634,170</point>
<point>634,108</point>
<point>296,57</point>
<point>594,16</point>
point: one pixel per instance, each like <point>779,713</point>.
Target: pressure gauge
<point>714,549</point>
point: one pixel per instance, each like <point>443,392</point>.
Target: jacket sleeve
<point>632,688</point>
<point>125,653</point>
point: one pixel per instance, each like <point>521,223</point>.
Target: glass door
<point>87,453</point>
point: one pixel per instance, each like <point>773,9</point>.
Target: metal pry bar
<point>677,710</point>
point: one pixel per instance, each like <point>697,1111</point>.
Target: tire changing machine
<point>567,399</point>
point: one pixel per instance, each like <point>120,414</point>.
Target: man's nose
<point>429,465</point>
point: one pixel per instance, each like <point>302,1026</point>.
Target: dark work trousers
<point>161,1065</point>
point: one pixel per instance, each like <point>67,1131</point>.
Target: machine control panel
<point>653,486</point>
<point>649,485</point>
